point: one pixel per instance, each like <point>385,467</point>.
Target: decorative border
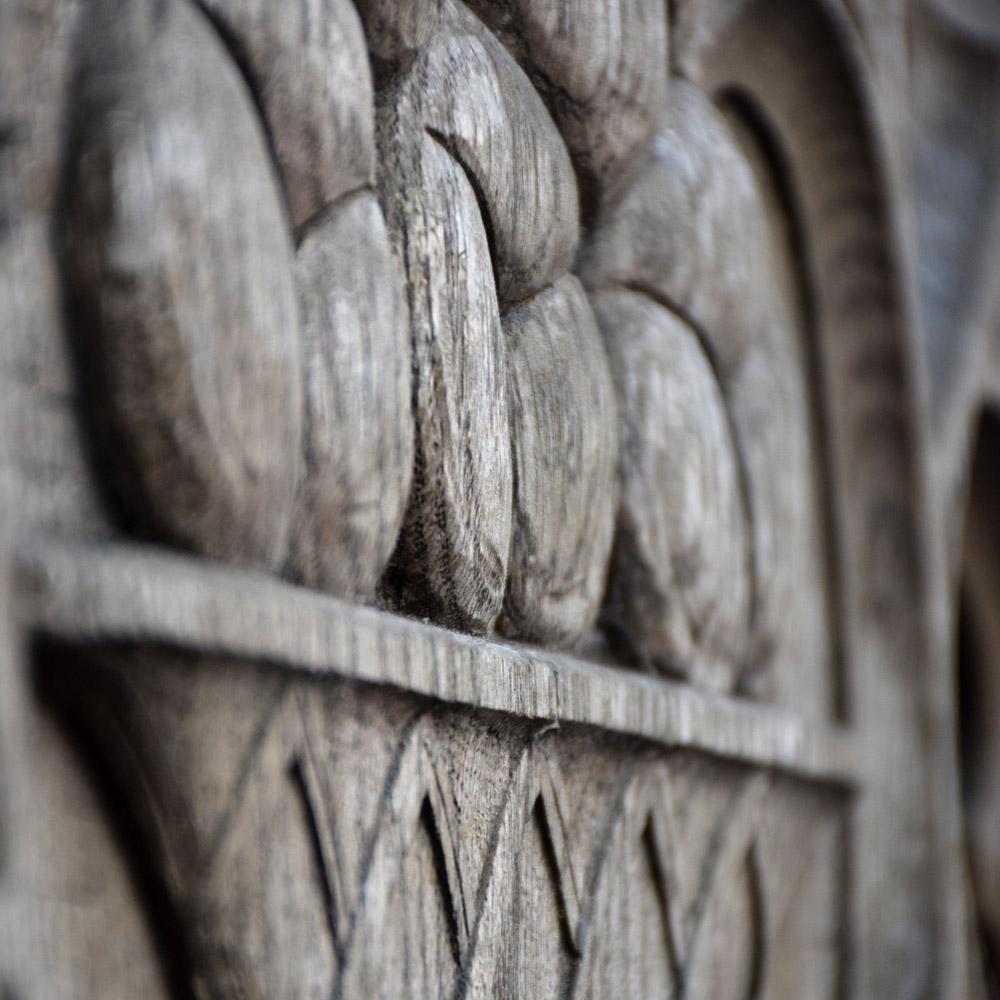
<point>88,593</point>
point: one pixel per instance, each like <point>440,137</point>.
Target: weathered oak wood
<point>601,69</point>
<point>693,234</point>
<point>459,824</point>
<point>480,197</point>
<point>680,584</point>
<point>308,65</point>
<point>46,478</point>
<point>397,31</point>
<point>564,445</point>
<point>845,188</point>
<point>93,594</point>
<point>451,561</point>
<point>469,94</point>
<point>180,265</point>
<point>358,442</point>
<point>301,254</point>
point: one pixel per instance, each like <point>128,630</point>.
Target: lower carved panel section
<point>312,837</point>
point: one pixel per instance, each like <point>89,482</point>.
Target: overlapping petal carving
<point>358,442</point>
<point>679,587</point>
<point>203,347</point>
<point>564,451</point>
<point>601,69</point>
<point>481,196</point>
<point>308,64</point>
<point>181,266</point>
<point>441,371</point>
<point>693,237</point>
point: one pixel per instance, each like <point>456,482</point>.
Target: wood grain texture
<point>396,31</point>
<point>679,586</point>
<point>308,65</point>
<point>601,67</point>
<point>45,476</point>
<point>684,228</point>
<point>565,443</point>
<point>480,197</point>
<point>298,795</point>
<point>802,65</point>
<point>358,446</point>
<point>91,594</point>
<point>473,850</point>
<point>694,235</point>
<point>181,269</point>
<point>466,90</point>
<point>71,921</point>
<point>451,562</point>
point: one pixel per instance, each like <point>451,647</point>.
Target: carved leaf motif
<point>564,448</point>
<point>358,440</point>
<point>679,587</point>
<point>181,269</point>
<point>308,63</point>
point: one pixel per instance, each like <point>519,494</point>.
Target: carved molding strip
<point>86,593</point>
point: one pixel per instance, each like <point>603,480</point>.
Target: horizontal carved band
<point>88,594</point>
<point>317,833</point>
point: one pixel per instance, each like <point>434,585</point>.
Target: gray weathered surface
<point>564,445</point>
<point>692,235</point>
<point>504,315</point>
<point>358,443</point>
<point>308,65</point>
<point>524,861</point>
<point>452,556</point>
<point>120,595</point>
<point>601,69</point>
<point>680,582</point>
<point>480,197</point>
<point>180,265</point>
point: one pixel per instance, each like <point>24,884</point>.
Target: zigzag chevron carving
<point>473,855</point>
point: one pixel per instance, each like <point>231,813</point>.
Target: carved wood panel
<point>287,868</point>
<point>464,525</point>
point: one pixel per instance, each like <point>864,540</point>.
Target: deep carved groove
<point>758,922</point>
<point>544,832</point>
<point>481,200</point>
<point>664,899</point>
<point>311,821</point>
<point>429,828</point>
